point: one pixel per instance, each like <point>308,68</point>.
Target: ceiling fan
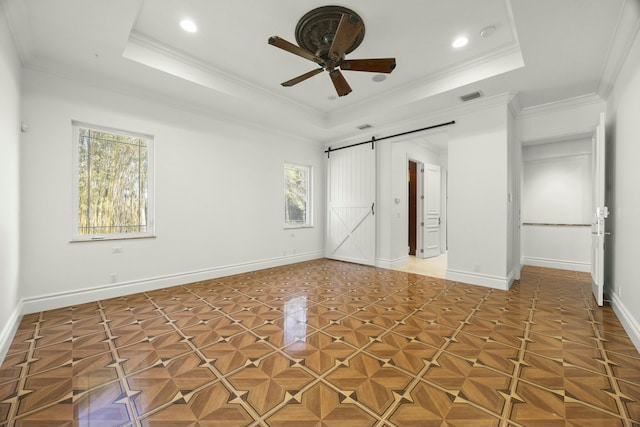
<point>325,35</point>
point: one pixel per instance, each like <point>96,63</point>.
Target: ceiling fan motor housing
<point>325,35</point>
<point>316,29</point>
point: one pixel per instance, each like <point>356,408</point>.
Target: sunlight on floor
<point>434,267</point>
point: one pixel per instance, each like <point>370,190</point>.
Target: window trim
<point>75,234</point>
<point>309,198</point>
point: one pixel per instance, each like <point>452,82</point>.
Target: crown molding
<point>583,133</point>
<point>16,14</point>
<point>624,36</point>
<point>215,78</point>
<point>564,104</point>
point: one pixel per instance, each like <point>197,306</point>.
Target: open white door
<point>600,213</point>
<point>351,192</point>
<point>432,210</point>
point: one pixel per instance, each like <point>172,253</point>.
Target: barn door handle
<point>373,212</point>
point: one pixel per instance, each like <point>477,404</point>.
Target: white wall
<point>514,198</point>
<point>557,182</point>
<point>219,190</point>
<point>557,188</point>
<point>9,185</point>
<point>392,179</point>
<point>478,209</point>
<point>623,196</point>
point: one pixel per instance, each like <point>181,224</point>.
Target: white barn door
<point>351,192</point>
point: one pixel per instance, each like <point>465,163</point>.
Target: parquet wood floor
<point>326,343</point>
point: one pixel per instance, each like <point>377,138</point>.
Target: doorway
<point>413,207</point>
<point>425,208</point>
<point>416,196</point>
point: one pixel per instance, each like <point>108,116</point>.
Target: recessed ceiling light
<point>188,25</point>
<point>460,42</point>
<point>379,78</point>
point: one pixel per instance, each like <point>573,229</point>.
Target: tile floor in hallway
<point>326,343</point>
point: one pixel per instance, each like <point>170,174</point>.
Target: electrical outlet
<point>117,250</point>
<point>113,278</point>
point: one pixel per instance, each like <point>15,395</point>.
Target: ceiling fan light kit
<point>325,35</point>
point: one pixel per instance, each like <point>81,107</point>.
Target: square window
<point>113,184</point>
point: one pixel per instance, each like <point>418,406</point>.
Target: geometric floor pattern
<point>327,343</point>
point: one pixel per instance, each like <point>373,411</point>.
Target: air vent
<point>365,126</point>
<point>471,96</point>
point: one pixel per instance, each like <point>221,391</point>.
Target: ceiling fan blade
<point>302,77</point>
<point>378,65</point>
<point>348,29</point>
<point>340,83</point>
<point>296,50</point>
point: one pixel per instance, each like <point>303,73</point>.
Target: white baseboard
<point>496,282</point>
<point>392,263</point>
<point>629,323</point>
<point>81,296</point>
<point>9,330</point>
<point>515,274</point>
<point>556,263</point>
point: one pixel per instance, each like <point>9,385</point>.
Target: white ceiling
<point>542,50</point>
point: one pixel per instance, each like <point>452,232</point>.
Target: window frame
<point>76,236</point>
<point>308,200</point>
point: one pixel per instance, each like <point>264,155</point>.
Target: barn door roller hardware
<point>373,138</point>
